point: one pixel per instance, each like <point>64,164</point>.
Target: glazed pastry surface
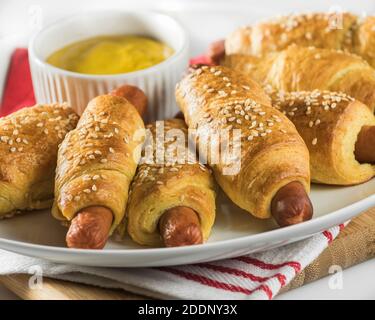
<point>345,32</point>
<point>272,154</point>
<point>165,181</point>
<point>29,140</point>
<point>329,123</point>
<point>97,161</point>
<point>305,69</point>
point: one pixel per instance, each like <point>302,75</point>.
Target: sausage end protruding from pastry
<point>90,228</point>
<point>291,205</point>
<point>180,226</point>
<point>134,95</point>
<point>179,115</point>
<point>365,146</point>
<point>216,51</point>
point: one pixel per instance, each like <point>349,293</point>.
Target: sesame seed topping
<point>222,93</point>
<point>94,188</point>
<point>111,150</point>
<point>314,141</point>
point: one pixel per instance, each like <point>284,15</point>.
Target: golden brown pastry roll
<point>29,140</point>
<point>322,30</point>
<point>166,194</point>
<point>272,154</point>
<point>96,164</point>
<point>305,69</point>
<point>329,123</point>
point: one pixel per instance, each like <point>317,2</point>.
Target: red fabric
<point>18,89</point>
<point>203,59</point>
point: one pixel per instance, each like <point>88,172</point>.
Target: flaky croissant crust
<point>329,123</point>
<point>305,69</point>
<point>29,140</point>
<point>158,187</point>
<point>272,152</point>
<point>97,160</point>
<point>338,31</point>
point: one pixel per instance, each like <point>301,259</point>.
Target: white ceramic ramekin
<point>52,84</point>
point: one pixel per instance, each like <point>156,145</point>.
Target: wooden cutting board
<point>360,233</point>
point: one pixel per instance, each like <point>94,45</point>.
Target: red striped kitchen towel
<point>255,276</point>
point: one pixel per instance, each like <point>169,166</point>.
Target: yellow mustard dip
<point>110,54</point>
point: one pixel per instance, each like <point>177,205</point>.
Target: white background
<point>206,21</point>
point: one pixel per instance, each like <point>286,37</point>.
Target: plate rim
<point>298,232</point>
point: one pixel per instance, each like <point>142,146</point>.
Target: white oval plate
<point>235,233</point>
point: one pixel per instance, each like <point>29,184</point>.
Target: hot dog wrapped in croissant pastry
<point>96,164</point>
<point>273,178</point>
<point>338,130</point>
<point>339,31</point>
<point>299,69</point>
<point>29,140</point>
<point>173,200</point>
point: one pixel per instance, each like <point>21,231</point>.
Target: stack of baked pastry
<point>295,98</point>
<point>317,70</point>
